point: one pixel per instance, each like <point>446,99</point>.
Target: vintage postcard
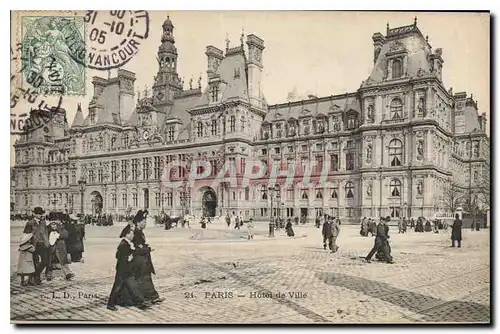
<point>255,167</point>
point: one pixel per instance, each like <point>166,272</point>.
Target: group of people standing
<point>45,244</point>
<point>133,284</point>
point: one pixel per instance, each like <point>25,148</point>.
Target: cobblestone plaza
<point>221,277</point>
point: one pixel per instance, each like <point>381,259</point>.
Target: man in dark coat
<point>381,242</point>
<point>456,232</point>
<point>41,257</point>
<point>327,231</point>
<point>74,242</point>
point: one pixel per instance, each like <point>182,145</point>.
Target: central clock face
<point>145,135</point>
<point>160,95</point>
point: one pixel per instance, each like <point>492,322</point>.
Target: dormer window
<point>170,133</point>
<point>214,92</point>
<point>92,116</point>
<point>397,68</point>
<point>396,108</point>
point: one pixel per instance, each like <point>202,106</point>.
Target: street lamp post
<point>271,219</point>
<point>81,186</point>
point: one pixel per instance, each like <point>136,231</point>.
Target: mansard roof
<point>313,107</point>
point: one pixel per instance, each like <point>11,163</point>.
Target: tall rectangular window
<point>157,168</point>
<point>214,127</point>
<point>157,200</point>
<point>113,200</point>
<point>124,200</point>
<point>145,168</point>
<point>114,167</point>
<point>169,199</point>
<point>134,200</point>
<point>349,161</point>
<point>124,170</point>
<point>135,166</point>
<point>232,124</point>
<point>170,133</point>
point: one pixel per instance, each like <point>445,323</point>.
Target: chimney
<point>214,57</point>
<point>378,42</point>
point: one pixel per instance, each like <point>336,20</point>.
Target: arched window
<point>395,152</point>
<point>395,187</point>
<point>263,191</point>
<point>397,68</point>
<point>304,194</point>
<point>396,108</point>
<point>200,129</point>
<point>319,194</point>
<point>349,190</point>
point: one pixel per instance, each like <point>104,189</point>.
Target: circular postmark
<point>50,48</point>
<point>114,37</point>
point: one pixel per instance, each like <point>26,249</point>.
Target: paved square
<point>224,278</point>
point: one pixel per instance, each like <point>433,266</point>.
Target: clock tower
<point>166,82</point>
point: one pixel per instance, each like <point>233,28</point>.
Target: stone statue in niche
<point>265,134</point>
<point>420,187</point>
<point>320,127</point>
<point>369,113</point>
<point>336,124</point>
<point>291,129</point>
<point>369,190</point>
<point>476,149</point>
<point>306,128</point>
<point>420,149</point>
<point>421,106</point>
<point>369,153</point>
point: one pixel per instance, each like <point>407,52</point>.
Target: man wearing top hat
<point>41,257</point>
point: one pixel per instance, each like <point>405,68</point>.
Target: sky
<point>316,52</point>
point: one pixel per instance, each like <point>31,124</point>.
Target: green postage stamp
<point>53,54</point>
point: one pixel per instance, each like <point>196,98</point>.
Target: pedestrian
<point>335,230</point>
<point>405,224</point>
<point>478,225</point>
<point>381,243</point>
<point>326,232</point>
<point>249,229</point>
<point>289,228</point>
<point>228,220</point>
<point>203,223</point>
<point>271,227</point>
<point>428,227</point>
<point>400,225</point>
<point>412,223</point>
<point>296,220</point>
<point>142,262</point>
<point>57,241</point>
<point>125,290</point>
<point>364,228</point>
<point>237,223</point>
<point>74,242</point>
<point>25,262</point>
<point>456,232</point>
<point>41,258</point>
<point>317,222</point>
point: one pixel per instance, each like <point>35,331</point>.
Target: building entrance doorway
<point>209,203</point>
<point>96,203</point>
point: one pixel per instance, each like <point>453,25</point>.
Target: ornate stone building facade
<point>390,148</point>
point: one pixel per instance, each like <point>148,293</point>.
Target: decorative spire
<point>79,107</point>
<point>145,90</point>
<point>199,82</point>
<point>427,38</point>
<point>138,96</point>
<point>227,42</point>
<point>242,35</point>
<point>191,83</point>
<point>415,21</point>
<point>387,27</point>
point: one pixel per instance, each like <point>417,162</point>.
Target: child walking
<point>25,264</point>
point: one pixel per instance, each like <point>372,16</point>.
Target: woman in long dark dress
<point>142,263</point>
<point>125,291</point>
<point>74,243</point>
<point>289,228</point>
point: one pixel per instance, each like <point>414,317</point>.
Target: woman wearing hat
<point>74,243</point>
<point>25,263</point>
<point>142,263</point>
